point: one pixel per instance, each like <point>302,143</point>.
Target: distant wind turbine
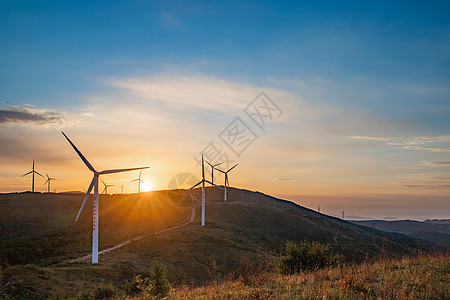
<point>47,182</point>
<point>94,184</point>
<point>32,180</point>
<point>139,180</point>
<point>121,188</point>
<point>227,182</point>
<point>212,170</point>
<point>105,190</point>
<point>203,190</point>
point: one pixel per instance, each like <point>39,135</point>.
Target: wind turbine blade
<point>121,170</point>
<point>213,184</point>
<point>79,154</point>
<point>46,175</point>
<point>196,185</point>
<point>38,174</point>
<point>27,173</point>
<point>217,164</point>
<point>103,182</point>
<point>220,171</point>
<point>134,180</point>
<point>232,168</point>
<point>47,181</point>
<point>140,173</point>
<point>209,163</point>
<point>85,198</point>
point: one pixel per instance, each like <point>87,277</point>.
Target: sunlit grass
<point>425,277</point>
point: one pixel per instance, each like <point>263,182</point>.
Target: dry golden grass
<point>426,277</point>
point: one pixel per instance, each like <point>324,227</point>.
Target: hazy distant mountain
<point>435,231</point>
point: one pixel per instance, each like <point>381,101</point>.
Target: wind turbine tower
<point>105,190</point>
<point>227,182</point>
<point>49,179</point>
<point>139,180</point>
<point>32,172</point>
<point>203,190</point>
<point>94,184</point>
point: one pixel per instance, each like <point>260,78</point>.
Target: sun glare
<point>147,186</point>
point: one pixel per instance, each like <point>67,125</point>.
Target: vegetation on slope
<point>425,277</point>
<point>249,227</point>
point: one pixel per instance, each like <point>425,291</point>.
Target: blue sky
<point>364,87</point>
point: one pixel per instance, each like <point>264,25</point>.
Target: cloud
<point>371,138</point>
<point>432,149</point>
<point>30,116</point>
<point>427,186</point>
<point>284,179</point>
<point>436,163</point>
<point>187,93</point>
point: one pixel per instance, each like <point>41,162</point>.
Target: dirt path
<point>86,257</point>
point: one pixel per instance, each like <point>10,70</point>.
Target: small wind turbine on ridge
<point>139,180</point>
<point>32,180</point>
<point>94,184</point>
<point>212,170</point>
<point>105,190</point>
<point>227,182</point>
<point>203,190</point>
<point>47,182</point>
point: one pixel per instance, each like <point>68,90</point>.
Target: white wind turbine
<point>139,180</point>
<point>105,190</point>
<point>32,180</point>
<point>47,182</point>
<point>121,188</point>
<point>227,183</point>
<point>94,184</point>
<point>203,191</point>
<point>212,170</point>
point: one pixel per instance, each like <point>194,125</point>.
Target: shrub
<point>104,291</point>
<point>306,256</point>
<point>157,285</point>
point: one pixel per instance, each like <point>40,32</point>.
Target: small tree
<point>306,256</point>
<point>157,285</point>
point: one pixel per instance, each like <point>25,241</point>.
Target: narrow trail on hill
<point>190,220</point>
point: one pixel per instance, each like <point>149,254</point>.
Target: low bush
<point>306,256</point>
<point>157,285</point>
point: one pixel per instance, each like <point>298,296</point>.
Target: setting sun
<point>147,186</point>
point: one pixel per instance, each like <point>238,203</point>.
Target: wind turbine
<point>105,190</point>
<point>139,180</point>
<point>32,180</point>
<point>227,183</point>
<point>212,170</point>
<point>121,187</point>
<point>49,179</point>
<point>203,190</point>
<point>94,184</point>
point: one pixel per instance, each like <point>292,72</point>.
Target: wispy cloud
<point>432,149</point>
<point>427,186</point>
<point>436,163</point>
<point>30,116</point>
<point>284,179</point>
<point>372,138</point>
<point>188,93</point>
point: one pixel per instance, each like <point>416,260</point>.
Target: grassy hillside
<point>419,278</point>
<point>437,232</point>
<point>40,236</point>
<point>40,229</point>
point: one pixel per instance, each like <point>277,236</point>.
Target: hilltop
<point>39,236</point>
